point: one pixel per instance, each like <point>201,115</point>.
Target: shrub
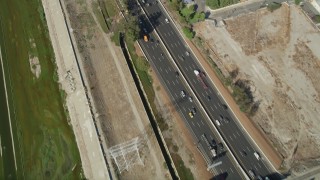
<point>188,32</point>
<point>273,6</point>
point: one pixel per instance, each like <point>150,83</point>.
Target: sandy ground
<point>279,54</point>
<point>79,111</point>
<point>118,108</point>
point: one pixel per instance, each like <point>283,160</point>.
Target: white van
<point>256,155</point>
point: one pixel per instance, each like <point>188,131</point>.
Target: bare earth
<point>279,54</point>
<point>118,107</point>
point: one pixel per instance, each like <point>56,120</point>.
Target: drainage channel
<point>153,122</point>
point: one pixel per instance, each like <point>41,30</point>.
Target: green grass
<point>216,4</point>
<point>99,16</point>
<point>45,143</point>
<point>184,172</point>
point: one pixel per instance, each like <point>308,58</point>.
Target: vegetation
<point>187,16</point>
<point>297,2</point>
<point>216,4</point>
<point>184,172</point>
<point>273,6</point>
<point>188,32</point>
<point>45,145</point>
<point>316,18</point>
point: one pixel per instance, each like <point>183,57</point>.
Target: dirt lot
<point>119,108</point>
<point>278,53</point>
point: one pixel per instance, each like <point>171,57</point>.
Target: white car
<point>256,155</point>
<point>190,99</point>
<point>218,122</point>
<point>183,94</point>
<point>167,20</point>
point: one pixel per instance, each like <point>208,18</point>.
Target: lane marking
<point>166,71</point>
<point>202,122</point>
<point>230,138</point>
<point>231,170</point>
<point>198,124</point>
<point>173,83</point>
<point>211,108</point>
<point>215,106</point>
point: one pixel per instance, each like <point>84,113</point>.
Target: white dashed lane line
<point>166,71</point>
<point>198,124</point>
<point>230,138</point>
<point>160,69</point>
<point>202,122</point>
<point>211,108</point>
<point>194,81</point>
<point>173,83</point>
<point>231,170</point>
<point>192,123</point>
<point>168,82</point>
<point>184,109</point>
<point>215,106</point>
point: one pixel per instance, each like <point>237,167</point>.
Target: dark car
<point>224,106</point>
<point>193,110</point>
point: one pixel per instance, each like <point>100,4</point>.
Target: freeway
<point>228,126</point>
<point>199,127</point>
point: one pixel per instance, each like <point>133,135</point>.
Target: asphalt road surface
<point>228,126</point>
<point>240,8</point>
<point>197,125</point>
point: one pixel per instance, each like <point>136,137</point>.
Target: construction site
<point>275,55</point>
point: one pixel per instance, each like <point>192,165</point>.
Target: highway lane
<point>197,125</point>
<point>232,131</point>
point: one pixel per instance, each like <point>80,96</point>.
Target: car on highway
<point>257,155</point>
<point>243,153</point>
<point>167,20</point>
<point>252,174</point>
<point>177,74</point>
<point>191,114</point>
<point>187,53</point>
<point>224,106</point>
<point>182,94</point>
<point>190,99</point>
<point>218,122</point>
<point>220,117</point>
<point>193,110</point>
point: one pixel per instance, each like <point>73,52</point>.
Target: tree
<point>132,28</point>
<point>188,32</point>
<point>188,12</point>
<point>198,17</point>
<point>213,4</point>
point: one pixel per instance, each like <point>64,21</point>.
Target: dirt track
<point>69,77</point>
